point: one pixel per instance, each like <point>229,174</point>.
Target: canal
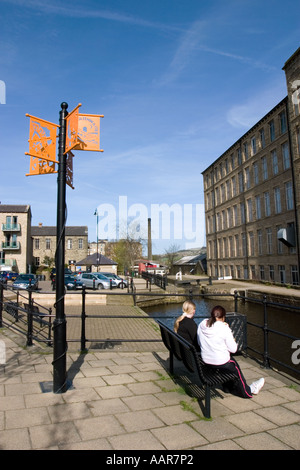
<point>280,348</point>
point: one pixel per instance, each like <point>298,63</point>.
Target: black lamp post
<point>96,214</point>
<point>59,324</point>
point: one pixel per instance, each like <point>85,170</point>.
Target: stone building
<point>252,196</point>
<point>15,238</point>
<point>44,244</point>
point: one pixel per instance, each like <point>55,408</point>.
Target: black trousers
<point>238,386</point>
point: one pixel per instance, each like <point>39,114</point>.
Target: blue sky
<point>178,82</point>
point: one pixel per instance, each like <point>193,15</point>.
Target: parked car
<point>97,280</point>
<point>12,276</point>
<point>53,272</point>
<point>26,281</point>
<point>72,283</point>
<point>3,277</point>
<point>118,280</point>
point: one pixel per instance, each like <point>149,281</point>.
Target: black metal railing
<point>157,279</point>
<point>33,313</point>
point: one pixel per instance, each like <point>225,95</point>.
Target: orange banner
<point>69,164</point>
<point>40,167</point>
<point>89,132</point>
<point>72,129</point>
<point>42,139</point>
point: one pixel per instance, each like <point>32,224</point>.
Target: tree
<point>171,254</point>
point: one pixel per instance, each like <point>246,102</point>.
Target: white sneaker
<point>256,386</point>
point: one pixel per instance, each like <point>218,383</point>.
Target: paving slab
<point>126,400</point>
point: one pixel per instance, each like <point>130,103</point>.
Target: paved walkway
<point>126,400</point>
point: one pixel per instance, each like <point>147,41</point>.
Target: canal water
<point>280,348</point>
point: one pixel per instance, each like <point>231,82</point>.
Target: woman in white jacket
<point>217,344</point>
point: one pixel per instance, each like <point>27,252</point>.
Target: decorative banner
<point>89,132</point>
<point>42,139</point>
<point>72,129</point>
<point>69,175</point>
<point>40,167</point>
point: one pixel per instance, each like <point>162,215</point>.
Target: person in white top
<point>217,343</point>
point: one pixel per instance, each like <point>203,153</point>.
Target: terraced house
<point>15,238</point>
<point>23,246</point>
<point>252,196</point>
<point>44,243</point>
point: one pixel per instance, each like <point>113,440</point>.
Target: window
<point>80,243</point>
<point>223,199</point>
<point>219,226</point>
<point>285,156</point>
<point>233,185</point>
<point>277,200</point>
<point>228,193</point>
<point>294,275</point>
<point>231,247</point>
<point>258,207</point>
<point>269,241</point>
<point>262,272</point>
<point>244,245</point>
<point>36,243</point>
<point>48,244</point>
<point>272,130</point>
<point>264,168</point>
<point>69,243</point>
<point>229,217</point>
<point>237,245</point>
<point>226,166</point>
<point>246,154</point>
<point>259,242</point>
<point>262,138</point>
<point>249,210</point>
<point>232,162</point>
<point>251,243</point>
<point>271,273</point>
<point>274,162</point>
<point>247,178</point>
<point>225,250</point>
<point>241,182</point>
<point>282,118</point>
<point>289,195</point>
<point>267,204</point>
<point>235,215</point>
<point>224,222</point>
<point>281,269</point>
<point>37,261</point>
<point>253,146</point>
<point>242,209</point>
<point>239,156</point>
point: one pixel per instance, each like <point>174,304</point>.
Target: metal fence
<point>36,321</point>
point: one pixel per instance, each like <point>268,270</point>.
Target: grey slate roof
<point>91,260</point>
<point>14,208</point>
<point>50,231</point>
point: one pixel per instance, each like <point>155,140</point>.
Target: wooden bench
<point>184,351</point>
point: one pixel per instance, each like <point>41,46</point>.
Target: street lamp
<point>96,214</point>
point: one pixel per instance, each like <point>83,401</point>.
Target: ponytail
<point>188,307</point>
<point>217,312</point>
